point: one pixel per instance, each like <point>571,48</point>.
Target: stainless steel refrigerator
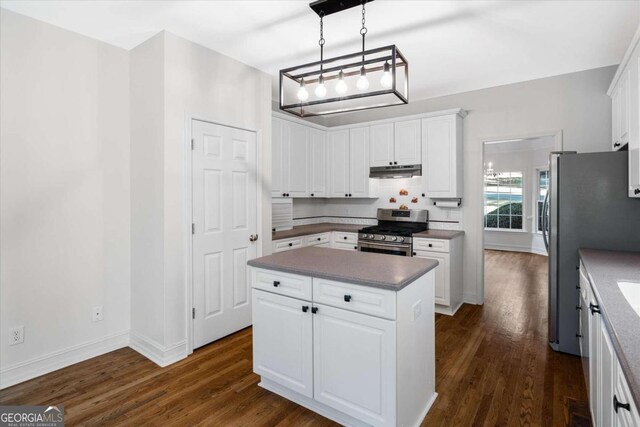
<point>586,207</point>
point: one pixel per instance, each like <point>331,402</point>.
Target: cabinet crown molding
<point>625,60</point>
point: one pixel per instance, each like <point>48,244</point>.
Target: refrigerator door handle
<point>545,221</point>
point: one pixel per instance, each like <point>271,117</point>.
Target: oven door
<point>385,248</point>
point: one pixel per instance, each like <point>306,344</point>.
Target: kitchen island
<point>349,335</point>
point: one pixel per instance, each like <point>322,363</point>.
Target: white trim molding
<point>159,354</point>
<point>625,60</point>
<point>59,359</point>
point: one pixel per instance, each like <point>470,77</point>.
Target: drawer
<point>287,244</point>
<point>345,246</point>
<point>432,245</point>
<point>291,285</point>
<point>342,237</point>
<point>361,299</point>
<point>317,239</point>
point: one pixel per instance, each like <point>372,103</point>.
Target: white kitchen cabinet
<point>279,145</point>
<point>381,148</point>
<point>362,349</point>
<point>297,161</point>
<point>407,143</point>
<point>398,143</point>
<point>317,165</point>
<point>448,274</point>
<point>359,162</point>
<point>606,381</point>
<point>290,154</point>
<point>287,244</point>
<point>283,341</point>
<point>318,239</point>
<point>366,361</point>
<point>338,163</point>
<point>625,111</point>
<point>442,156</point>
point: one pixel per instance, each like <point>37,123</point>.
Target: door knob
<point>253,237</point>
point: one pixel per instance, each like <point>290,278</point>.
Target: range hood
<point>406,171</point>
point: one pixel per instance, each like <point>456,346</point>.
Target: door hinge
<point>193,228</point>
<point>192,144</point>
<point>193,313</point>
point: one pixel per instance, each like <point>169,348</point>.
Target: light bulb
<point>303,94</point>
<point>363,81</point>
<point>341,86</point>
<point>321,90</point>
<point>386,81</point>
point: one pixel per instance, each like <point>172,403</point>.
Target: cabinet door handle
<point>345,237</point>
<point>347,298</point>
<point>395,163</point>
<point>636,191</point>
<point>413,253</point>
<point>617,144</point>
<point>578,336</point>
<point>276,283</point>
<point>349,194</point>
<point>422,194</point>
<point>390,163</point>
<point>311,194</point>
<point>617,404</point>
<point>355,247</point>
<point>305,308</point>
<point>346,195</point>
<point>430,245</point>
<point>594,308</point>
<point>578,307</point>
<point>284,194</point>
<point>314,310</point>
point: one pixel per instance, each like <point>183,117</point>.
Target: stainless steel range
<point>393,234</point>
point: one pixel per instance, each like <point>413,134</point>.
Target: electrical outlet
<point>417,309</point>
<point>96,315</point>
<point>16,335</point>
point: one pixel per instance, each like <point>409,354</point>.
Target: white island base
<point>358,355</point>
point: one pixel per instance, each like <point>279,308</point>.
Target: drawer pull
<point>290,244</point>
<point>345,237</point>
<point>617,404</point>
<point>355,247</point>
<point>276,283</point>
<point>413,253</point>
<point>347,298</point>
<point>430,245</point>
<point>314,310</point>
<point>319,238</point>
<point>305,308</point>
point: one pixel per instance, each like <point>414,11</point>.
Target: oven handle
<point>386,245</point>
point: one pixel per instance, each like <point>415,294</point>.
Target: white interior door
<point>225,215</point>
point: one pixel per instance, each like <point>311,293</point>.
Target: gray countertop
<point>605,269</point>
<point>361,268</point>
<point>304,230</point>
<point>439,234</point>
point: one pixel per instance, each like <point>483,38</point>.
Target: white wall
<point>64,195</point>
<point>526,160</point>
<point>199,81</point>
<point>575,103</point>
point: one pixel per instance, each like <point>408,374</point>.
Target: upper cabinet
<point>407,143</point>
<point>395,144</point>
<point>348,162</point>
<point>317,163</point>
<point>625,111</point>
<point>292,147</point>
<point>442,156</point>
<point>297,159</point>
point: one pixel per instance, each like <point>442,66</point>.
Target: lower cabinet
<point>354,364</point>
<point>610,399</point>
<point>449,282</point>
<point>340,360</point>
<point>333,239</point>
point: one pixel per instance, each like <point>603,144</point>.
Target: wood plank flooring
<point>493,366</point>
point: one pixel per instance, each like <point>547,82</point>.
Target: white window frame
<point>536,193</point>
<point>524,204</point>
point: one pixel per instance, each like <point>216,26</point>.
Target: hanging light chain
<point>363,30</point>
<point>321,41</point>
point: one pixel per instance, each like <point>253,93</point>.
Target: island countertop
<point>361,268</point>
<point>605,269</point>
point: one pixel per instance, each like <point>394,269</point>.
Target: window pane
<point>504,222</point>
<point>516,208</point>
<point>516,222</point>
<point>492,221</point>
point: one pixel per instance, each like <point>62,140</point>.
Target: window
<point>503,201</point>
<point>543,185</point>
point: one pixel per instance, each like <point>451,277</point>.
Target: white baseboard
<point>469,298</point>
<point>38,366</point>
<point>446,310</point>
<point>157,353</point>
<point>514,248</point>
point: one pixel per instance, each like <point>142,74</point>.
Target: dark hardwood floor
<point>493,367</point>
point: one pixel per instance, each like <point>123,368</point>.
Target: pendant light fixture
<point>357,81</point>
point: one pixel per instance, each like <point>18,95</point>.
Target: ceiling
<point>451,46</point>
